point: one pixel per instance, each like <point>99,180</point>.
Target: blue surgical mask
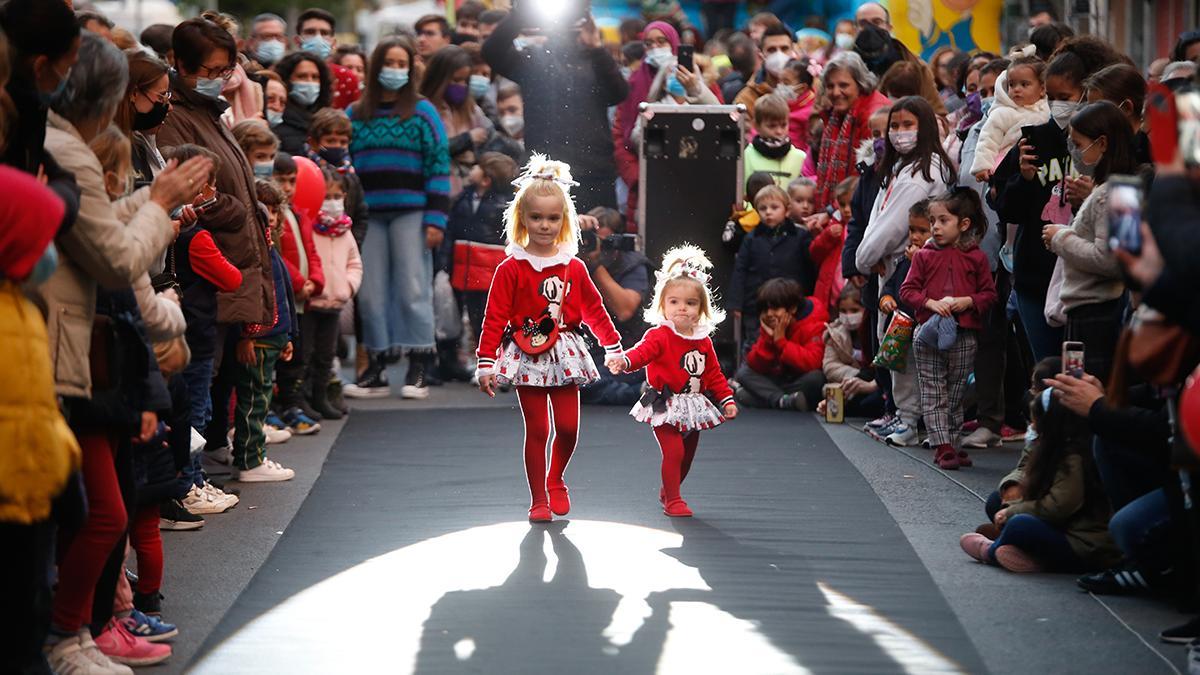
<point>269,52</point>
<point>45,266</point>
<point>986,104</point>
<point>393,79</point>
<point>675,87</point>
<point>264,170</point>
<point>479,86</point>
<point>274,118</point>
<point>317,45</point>
<point>209,88</point>
<point>305,93</point>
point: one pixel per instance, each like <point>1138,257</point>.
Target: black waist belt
<point>656,400</point>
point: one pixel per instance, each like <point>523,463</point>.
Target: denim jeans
<point>198,375</point>
<point>1040,540</point>
<point>1141,530</point>
<point>396,299</point>
<point>1044,339</point>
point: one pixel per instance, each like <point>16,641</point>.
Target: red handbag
<point>474,265</point>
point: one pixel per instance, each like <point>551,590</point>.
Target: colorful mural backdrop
<point>925,25</point>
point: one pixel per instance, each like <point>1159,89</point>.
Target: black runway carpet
<point>412,554</point>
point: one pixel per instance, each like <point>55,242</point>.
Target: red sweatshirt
<point>291,255</point>
<point>804,349</point>
<point>685,365</point>
<point>522,291</point>
<point>940,272</point>
<point>826,251</point>
<point>208,262</point>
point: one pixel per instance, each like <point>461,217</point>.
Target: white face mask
<point>903,141</point>
<point>659,57</point>
<point>334,208</point>
<point>1062,111</point>
<point>852,320</point>
<point>512,124</point>
<point>844,41</point>
<point>777,62</point>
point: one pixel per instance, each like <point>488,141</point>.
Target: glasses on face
<point>215,73</point>
<point>163,97</point>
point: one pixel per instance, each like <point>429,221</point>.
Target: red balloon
<point>310,188</point>
<point>1189,411</point>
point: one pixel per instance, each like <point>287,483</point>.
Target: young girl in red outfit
<point>681,365</point>
<point>540,295</point>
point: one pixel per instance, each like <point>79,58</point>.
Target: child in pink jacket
<point>343,277</point>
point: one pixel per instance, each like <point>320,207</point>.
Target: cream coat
<point>343,269</point>
<point>101,248</point>
<point>1002,129</point>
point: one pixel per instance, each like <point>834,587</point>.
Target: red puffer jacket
<point>803,350</point>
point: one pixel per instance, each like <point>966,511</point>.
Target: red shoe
<point>946,457</point>
<point>539,513</point>
<point>560,503</point>
<point>969,426</point>
<point>119,645</point>
<point>1014,559</point>
<point>975,545</point>
<point>678,509</point>
<point>964,460</point>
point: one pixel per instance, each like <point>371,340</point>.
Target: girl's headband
<point>687,269</point>
<point>528,179</point>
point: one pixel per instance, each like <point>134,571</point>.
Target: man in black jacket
<point>568,84</point>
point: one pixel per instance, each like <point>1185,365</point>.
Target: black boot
<point>320,403</point>
<point>450,369</point>
<point>337,398</point>
<point>415,384</point>
<point>374,382</point>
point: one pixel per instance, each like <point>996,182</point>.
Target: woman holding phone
<point>1093,289</point>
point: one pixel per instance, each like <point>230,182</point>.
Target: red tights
<point>84,557</point>
<point>678,451</point>
<point>538,406</point>
<point>146,540</point>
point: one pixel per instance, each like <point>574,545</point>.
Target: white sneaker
<point>365,393</point>
<point>79,655</point>
<point>903,435</point>
<point>267,472</point>
<point>200,503</point>
<point>275,436</point>
<point>221,496</point>
<point>982,438</point>
<point>413,392</point>
<point>217,462</point>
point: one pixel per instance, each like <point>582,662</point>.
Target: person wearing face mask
<point>1031,189</point>
<point>276,97</point>
<point>847,361</point>
<point>143,111</point>
<point>776,49</point>
<point>310,88</point>
<point>1125,87</point>
<point>1101,144</point>
<point>329,137</point>
<point>268,40</point>
<point>447,86</point>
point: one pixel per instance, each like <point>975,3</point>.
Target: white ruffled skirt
<point>567,362</point>
<point>685,412</point>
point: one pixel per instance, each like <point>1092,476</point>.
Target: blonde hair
<point>112,149</point>
<point>686,264</point>
<point>543,177</point>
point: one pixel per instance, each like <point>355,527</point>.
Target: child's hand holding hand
<point>731,410</point>
<point>940,307</point>
<point>487,384</point>
<point>816,222</point>
<point>615,363</point>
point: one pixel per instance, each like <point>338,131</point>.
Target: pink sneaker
<point>975,545</point>
<point>121,646</point>
<point>970,426</point>
<point>1014,559</point>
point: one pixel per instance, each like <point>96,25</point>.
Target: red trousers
<point>146,540</point>
<point>540,406</point>
<point>678,451</point>
<point>84,556</point>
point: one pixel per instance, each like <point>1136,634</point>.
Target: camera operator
<point>622,275</point>
<point>568,83</point>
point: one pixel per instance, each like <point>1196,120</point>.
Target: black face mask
<point>144,121</point>
<point>335,156</point>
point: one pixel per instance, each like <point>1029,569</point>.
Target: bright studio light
<point>550,9</point>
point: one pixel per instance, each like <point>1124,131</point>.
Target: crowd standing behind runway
<point>197,241</point>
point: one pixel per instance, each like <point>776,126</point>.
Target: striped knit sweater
<point>404,165</point>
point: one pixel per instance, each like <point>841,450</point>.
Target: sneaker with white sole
<point>173,516</point>
<point>880,423</point>
<point>267,472</point>
<point>276,435</point>
<point>118,644</point>
<point>982,437</point>
<point>201,503</point>
<point>217,461</point>
<point>299,423</point>
<point>68,656</point>
<point>903,436</point>
<point>221,495</point>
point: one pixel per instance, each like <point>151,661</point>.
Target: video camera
<point>613,242</point>
<point>551,16</point>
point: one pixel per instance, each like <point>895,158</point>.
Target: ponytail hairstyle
<point>964,203</point>
<point>1077,57</point>
<point>686,264</point>
<point>1060,434</point>
<point>543,177</point>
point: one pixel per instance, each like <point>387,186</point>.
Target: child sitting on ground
<point>844,362</point>
<point>745,218</point>
<point>783,369</point>
<point>776,248</point>
<point>1059,523</point>
<point>772,150</point>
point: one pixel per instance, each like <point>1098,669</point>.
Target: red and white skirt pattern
<point>685,412</point>
<point>567,362</point>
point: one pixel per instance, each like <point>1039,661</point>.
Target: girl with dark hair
<point>400,153</point>
<point>445,84</point>
<point>913,167</point>
<point>310,88</point>
<point>1033,185</point>
<point>1093,289</point>
<point>951,288</point>
<point>1124,86</point>
<point>1060,521</point>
